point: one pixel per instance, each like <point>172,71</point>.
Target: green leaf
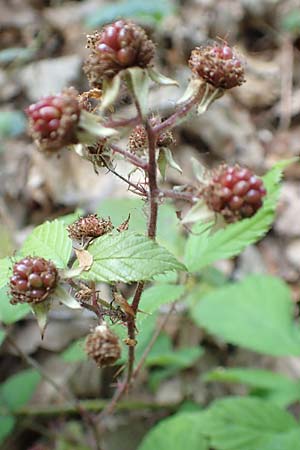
<point>119,208</point>
<point>70,218</point>
<point>256,313</point>
<point>139,84</point>
<point>248,424</point>
<point>90,124</point>
<point>178,432</point>
<point>11,313</point>
<point>256,378</point>
<point>41,310</point>
<point>75,352</point>
<point>50,241</point>
<point>270,385</point>
<point>204,248</point>
<point>12,123</point>
<point>168,232</point>
<point>290,22</point>
<point>7,424</point>
<point>164,355</point>
<point>127,257</point>
<point>110,89</point>
<point>19,388</point>
<point>156,296</point>
<point>5,271</point>
<point>161,79</point>
<point>286,441</point>
<point>64,296</point>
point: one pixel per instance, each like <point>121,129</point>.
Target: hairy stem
<point>181,113</point>
<point>152,342</point>
<point>153,194</point>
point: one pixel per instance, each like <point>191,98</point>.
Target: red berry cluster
<point>33,280</point>
<point>234,192</point>
<point>53,120</point>
<point>119,45</point>
<point>218,65</point>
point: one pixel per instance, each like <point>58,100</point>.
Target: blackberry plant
<point>222,211</point>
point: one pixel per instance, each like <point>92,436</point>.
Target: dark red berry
<point>117,46</point>
<point>54,119</point>
<point>33,280</point>
<point>234,192</point>
<point>219,65</point>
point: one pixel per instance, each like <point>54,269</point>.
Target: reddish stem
<point>179,114</point>
<point>110,123</point>
<point>176,195</point>
<point>135,160</point>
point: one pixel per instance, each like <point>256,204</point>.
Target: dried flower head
<point>100,154</point>
<point>33,280</point>
<point>219,65</point>
<point>235,192</point>
<point>53,120</point>
<point>103,346</point>
<point>117,46</point>
<point>138,140</point>
<point>89,227</point>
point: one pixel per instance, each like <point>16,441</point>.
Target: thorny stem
<point>152,342</point>
<point>152,224</point>
<point>154,193</point>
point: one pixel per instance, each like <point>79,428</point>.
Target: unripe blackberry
<point>234,192</point>
<point>117,46</point>
<point>103,346</point>
<point>89,227</point>
<point>53,120</point>
<point>33,280</point>
<point>219,65</point>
